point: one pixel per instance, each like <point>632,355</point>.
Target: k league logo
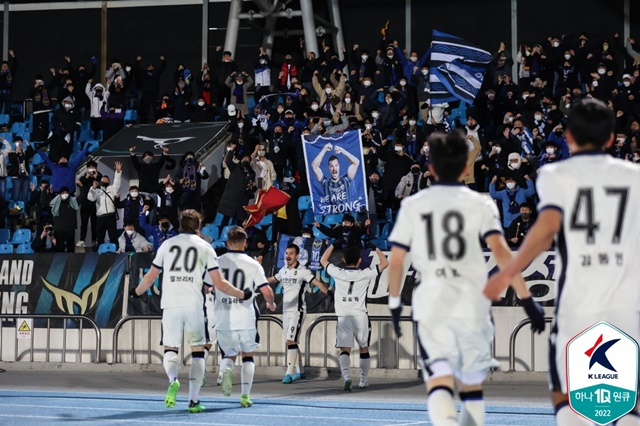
<point>602,373</point>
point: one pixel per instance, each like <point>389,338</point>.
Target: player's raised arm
<point>227,288</point>
<point>315,164</point>
<point>355,162</point>
<point>324,260</point>
<point>538,239</point>
<point>147,282</point>
<point>502,254</point>
<point>384,263</point>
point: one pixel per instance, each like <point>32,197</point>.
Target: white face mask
<point>414,59</point>
<point>403,83</point>
<point>280,110</point>
<point>550,150</point>
<point>364,58</point>
<point>368,126</point>
<point>134,194</point>
<point>514,166</point>
<point>128,69</point>
<point>498,149</point>
<point>261,153</point>
<point>129,232</point>
<point>314,107</point>
<point>390,56</point>
<point>567,57</point>
<point>169,189</point>
<point>412,122</point>
<point>556,44</point>
<point>240,125</point>
<point>366,83</point>
<point>525,96</point>
<point>511,185</point>
<point>388,100</point>
<point>347,100</point>
<point>509,119</point>
<point>397,148</point>
<point>601,71</point>
<point>626,83</point>
<point>595,83</point>
<point>375,114</point>
<point>537,117</point>
<point>201,103</point>
<point>91,170</point>
<point>64,196</point>
<point>425,72</point>
<point>327,91</point>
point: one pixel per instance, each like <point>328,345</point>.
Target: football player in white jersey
<point>295,279</point>
<point>591,201</point>
<point>351,286</point>
<point>440,228</point>
<point>184,260</point>
<point>237,320</point>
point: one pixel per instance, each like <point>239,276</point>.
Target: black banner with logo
<point>58,283</point>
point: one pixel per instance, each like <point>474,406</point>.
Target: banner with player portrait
<point>311,250</point>
<point>335,170</point>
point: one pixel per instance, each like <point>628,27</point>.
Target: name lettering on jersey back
<point>181,279</point>
<point>447,273</point>
<point>350,299</point>
<point>230,301</point>
<point>603,259</point>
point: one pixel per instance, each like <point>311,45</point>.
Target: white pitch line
<point>125,420</point>
<point>234,414</point>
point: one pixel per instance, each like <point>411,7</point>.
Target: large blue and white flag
<point>457,68</point>
<point>335,171</point>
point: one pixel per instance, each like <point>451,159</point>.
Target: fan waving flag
<point>267,202</point>
<point>457,68</point>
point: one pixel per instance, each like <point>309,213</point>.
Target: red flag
<point>267,202</point>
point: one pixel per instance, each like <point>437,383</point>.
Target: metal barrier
<point>149,318</point>
<point>326,318</point>
<point>47,317</point>
<point>512,343</point>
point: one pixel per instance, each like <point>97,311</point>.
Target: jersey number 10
<point>584,200</point>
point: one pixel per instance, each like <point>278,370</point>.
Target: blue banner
<point>311,250</point>
<point>335,171</point>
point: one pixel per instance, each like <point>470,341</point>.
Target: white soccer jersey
<point>351,287</point>
<point>441,228</point>
<point>184,259</point>
<point>243,272</point>
<point>599,240</point>
<point>295,282</point>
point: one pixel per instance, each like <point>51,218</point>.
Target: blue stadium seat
<point>21,236</point>
<point>332,219</point>
<point>304,203</point>
<point>318,234</point>
<point>4,119</point>
<point>223,233</point>
<point>26,136</point>
<point>24,248</point>
<point>107,248</point>
<point>218,244</point>
<point>5,235</point>
<point>85,135</point>
<point>308,219</point>
<point>211,231</point>
<point>386,231</point>
<point>18,127</point>
<point>16,208</point>
<point>217,221</point>
<point>130,116</point>
<point>266,221</point>
<point>6,248</point>
<point>381,244</point>
<point>93,145</point>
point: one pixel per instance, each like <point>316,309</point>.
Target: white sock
<point>442,409</point>
<point>566,417</point>
<point>472,413</point>
<point>292,358</point>
<point>629,420</point>
<point>300,362</point>
<point>227,363</point>
<point>364,367</point>
<point>248,369</point>
<point>170,362</point>
<point>345,365</point>
<point>196,373</point>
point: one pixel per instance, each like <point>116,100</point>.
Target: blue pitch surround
<point>53,408</point>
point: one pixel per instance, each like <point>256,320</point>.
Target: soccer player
<point>351,286</point>
<point>236,321</point>
<point>591,201</point>
<point>337,189</point>
<point>295,279</point>
<point>184,260</point>
<point>441,227</point>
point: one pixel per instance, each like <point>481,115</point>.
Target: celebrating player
<point>591,202</point>
<point>236,320</point>
<point>336,189</point>
<point>184,259</point>
<point>295,279</point>
<point>442,227</point>
<point>352,285</point>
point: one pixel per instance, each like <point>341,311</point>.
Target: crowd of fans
<point>512,129</point>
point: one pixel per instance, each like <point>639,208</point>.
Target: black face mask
<point>190,160</point>
<point>165,225</point>
<point>63,164</point>
<point>245,164</point>
<point>105,184</point>
<point>415,171</point>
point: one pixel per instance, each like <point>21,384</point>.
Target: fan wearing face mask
<point>511,197</point>
<point>263,168</point>
<point>364,63</point>
<point>169,200</point>
<point>66,122</point>
<point>189,177</point>
<point>331,94</point>
<point>160,232</point>
<point>391,66</point>
<point>132,206</point>
<point>64,209</point>
<point>131,241</point>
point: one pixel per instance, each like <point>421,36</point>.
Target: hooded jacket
<point>97,102</point>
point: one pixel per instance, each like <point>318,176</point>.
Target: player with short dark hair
<point>591,202</point>
<point>351,287</point>
<point>184,260</point>
<point>442,228</point>
<point>295,279</point>
<point>236,321</point>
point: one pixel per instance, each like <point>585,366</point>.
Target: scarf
<point>238,92</point>
<point>189,182</point>
<point>130,203</point>
<point>128,242</point>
